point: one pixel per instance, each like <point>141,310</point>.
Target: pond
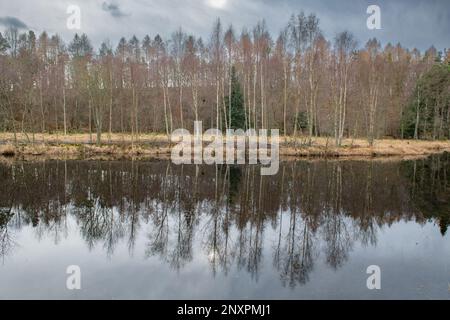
<point>155,230</point>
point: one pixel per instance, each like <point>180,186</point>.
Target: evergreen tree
<point>428,112</point>
<point>237,103</point>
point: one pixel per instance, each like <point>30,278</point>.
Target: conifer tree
<point>237,111</point>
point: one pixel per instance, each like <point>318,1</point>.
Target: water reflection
<point>223,213</point>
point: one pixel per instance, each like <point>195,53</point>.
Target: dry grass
<point>360,147</point>
<point>83,138</point>
<point>157,145</point>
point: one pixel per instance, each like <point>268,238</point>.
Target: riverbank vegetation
<point>76,145</point>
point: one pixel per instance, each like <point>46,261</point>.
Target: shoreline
<point>158,146</point>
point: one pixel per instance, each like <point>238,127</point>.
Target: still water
<point>155,230</point>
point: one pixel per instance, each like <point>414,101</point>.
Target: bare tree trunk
<point>90,120</point>
<point>181,104</point>
<point>249,102</point>
<point>229,93</point>
<point>297,111</point>
<point>170,109</point>
<point>342,107</point>
<point>56,117</point>
<point>217,100</point>
<point>435,120</point>
<point>311,104</point>
<point>255,123</point>
<point>416,127</point>
<point>285,99</point>
<point>64,110</point>
<point>132,118</point>
<point>225,116</point>
<point>42,107</point>
<point>344,111</point>
<point>336,137</point>
<point>245,101</point>
<point>372,114</point>
<point>262,94</point>
<point>110,106</point>
<point>136,113</point>
<point>166,121</point>
<point>98,124</point>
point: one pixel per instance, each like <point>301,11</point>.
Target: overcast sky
<point>414,23</point>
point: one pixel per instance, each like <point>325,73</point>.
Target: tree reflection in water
<point>315,207</point>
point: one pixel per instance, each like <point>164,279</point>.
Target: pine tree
<point>237,103</point>
<point>427,115</point>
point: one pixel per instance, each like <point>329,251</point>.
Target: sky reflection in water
<point>156,230</point>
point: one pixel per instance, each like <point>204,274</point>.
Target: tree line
<point>299,82</point>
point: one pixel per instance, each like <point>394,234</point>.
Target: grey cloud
<point>113,9</point>
<point>12,22</point>
<point>413,23</point>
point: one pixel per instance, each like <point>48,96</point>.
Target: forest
<point>297,81</point>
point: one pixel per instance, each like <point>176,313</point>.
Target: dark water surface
<point>151,229</point>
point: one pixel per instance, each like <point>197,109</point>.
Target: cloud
<point>413,23</point>
<point>12,22</point>
<point>113,9</point>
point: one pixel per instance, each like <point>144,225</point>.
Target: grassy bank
<point>157,145</point>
